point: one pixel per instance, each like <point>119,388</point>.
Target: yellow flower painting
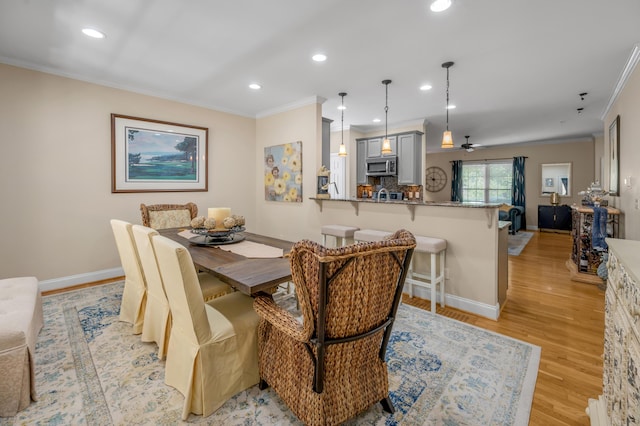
<point>283,172</point>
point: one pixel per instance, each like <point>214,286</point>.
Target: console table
<point>620,402</point>
<point>584,261</point>
<point>554,218</point>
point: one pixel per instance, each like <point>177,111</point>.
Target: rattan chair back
<point>348,297</point>
<point>162,216</point>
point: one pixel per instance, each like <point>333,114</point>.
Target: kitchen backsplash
<point>390,183</point>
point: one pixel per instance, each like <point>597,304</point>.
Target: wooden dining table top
<point>248,275</point>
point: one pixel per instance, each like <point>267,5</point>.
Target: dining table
<point>246,274</point>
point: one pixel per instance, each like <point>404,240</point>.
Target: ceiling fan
<point>469,147</point>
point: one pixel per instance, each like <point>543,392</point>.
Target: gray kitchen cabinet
<point>374,147</point>
<point>361,161</point>
<point>410,158</point>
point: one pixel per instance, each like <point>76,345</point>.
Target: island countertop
<point>412,202</point>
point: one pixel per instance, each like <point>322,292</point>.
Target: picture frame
<point>614,157</point>
<point>157,156</point>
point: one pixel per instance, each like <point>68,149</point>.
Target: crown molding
<point>293,105</point>
<point>622,80</point>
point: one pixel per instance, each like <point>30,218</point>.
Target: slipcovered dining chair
<point>134,296</point>
<point>163,216</point>
<point>157,315</point>
<point>331,366</point>
<point>213,352</point>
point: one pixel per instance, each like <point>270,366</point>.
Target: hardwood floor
<point>565,318</point>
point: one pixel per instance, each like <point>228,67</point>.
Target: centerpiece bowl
<point>216,237</point>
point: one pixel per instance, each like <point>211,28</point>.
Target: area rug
<point>91,370</point>
<point>518,242</point>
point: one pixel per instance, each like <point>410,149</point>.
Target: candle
<point>219,214</point>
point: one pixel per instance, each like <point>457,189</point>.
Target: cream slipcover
<point>157,314</point>
<point>213,352</point>
<point>21,319</point>
<point>134,295</point>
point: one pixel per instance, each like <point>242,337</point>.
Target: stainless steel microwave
<point>382,166</point>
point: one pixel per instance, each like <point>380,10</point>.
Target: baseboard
<point>72,280</point>
<point>467,305</point>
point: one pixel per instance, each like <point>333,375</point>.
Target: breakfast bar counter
<point>476,253</point>
<point>411,204</point>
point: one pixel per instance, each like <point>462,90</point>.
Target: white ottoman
<point>21,319</point>
<point>341,232</point>
<point>437,247</point>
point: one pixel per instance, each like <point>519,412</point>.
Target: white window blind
<point>488,181</point>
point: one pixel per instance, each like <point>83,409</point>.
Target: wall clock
<point>436,179</point>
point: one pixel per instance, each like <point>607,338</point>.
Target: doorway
<point>338,169</point>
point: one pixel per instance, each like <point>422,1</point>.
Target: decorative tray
<point>216,237</point>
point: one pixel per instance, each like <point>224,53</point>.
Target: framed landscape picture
<point>157,156</point>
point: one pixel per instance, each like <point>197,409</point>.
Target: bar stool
<point>370,235</point>
<point>435,247</point>
<point>339,231</point>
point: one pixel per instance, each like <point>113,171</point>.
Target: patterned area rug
<point>518,242</point>
<point>91,370</point>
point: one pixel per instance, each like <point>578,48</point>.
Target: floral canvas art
<point>283,172</point>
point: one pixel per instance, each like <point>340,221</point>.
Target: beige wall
<point>291,221</point>
<point>55,171</point>
<point>627,105</point>
<point>580,154</point>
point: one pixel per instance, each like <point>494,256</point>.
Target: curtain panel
<point>456,180</point>
<point>518,196</point>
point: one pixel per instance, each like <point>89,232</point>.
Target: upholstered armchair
<point>162,216</point>
<point>514,215</point>
<point>331,366</point>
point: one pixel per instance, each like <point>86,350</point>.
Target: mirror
<point>556,177</point>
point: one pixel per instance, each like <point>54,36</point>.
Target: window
<point>487,181</point>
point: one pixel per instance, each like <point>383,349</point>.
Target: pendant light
<point>343,149</point>
<point>386,143</point>
<point>447,139</point>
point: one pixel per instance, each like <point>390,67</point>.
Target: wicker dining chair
<point>331,366</point>
<point>162,216</point>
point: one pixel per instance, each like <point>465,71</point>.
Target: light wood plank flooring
<point>565,318</point>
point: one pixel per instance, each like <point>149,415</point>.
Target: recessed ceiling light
<point>93,33</point>
<point>376,120</point>
<point>319,57</point>
<point>425,87</point>
<point>255,86</point>
<point>451,107</point>
<point>440,5</point>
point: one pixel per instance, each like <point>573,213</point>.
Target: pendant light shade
<point>386,143</point>
<point>343,149</point>
<point>447,139</point>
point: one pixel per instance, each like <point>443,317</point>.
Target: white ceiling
<point>519,64</point>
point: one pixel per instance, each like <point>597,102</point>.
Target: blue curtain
<point>517,195</point>
<point>456,180</point>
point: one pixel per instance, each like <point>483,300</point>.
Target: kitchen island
<point>476,255</point>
